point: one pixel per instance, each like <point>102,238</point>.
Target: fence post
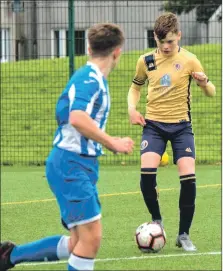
<point>71,37</point>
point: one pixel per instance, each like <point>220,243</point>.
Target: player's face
<point>168,45</point>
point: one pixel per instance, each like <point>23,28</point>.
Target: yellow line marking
<point>104,195</point>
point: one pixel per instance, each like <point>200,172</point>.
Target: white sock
<point>62,248</point>
<point>79,263</point>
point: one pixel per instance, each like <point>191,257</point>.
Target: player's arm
<point>87,127</point>
<point>204,83</point>
<point>202,80</point>
<point>80,96</point>
<point>134,93</point>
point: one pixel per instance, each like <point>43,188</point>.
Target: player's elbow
<point>73,121</point>
<point>75,118</point>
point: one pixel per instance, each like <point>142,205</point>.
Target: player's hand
<point>200,78</point>
<point>122,145</point>
<point>136,118</point>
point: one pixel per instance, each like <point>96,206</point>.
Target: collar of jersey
<point>95,67</point>
<point>164,56</point>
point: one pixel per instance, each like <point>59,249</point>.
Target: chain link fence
<point>35,66</point>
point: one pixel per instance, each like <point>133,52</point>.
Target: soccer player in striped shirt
<point>72,165</point>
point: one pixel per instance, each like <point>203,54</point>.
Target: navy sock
<point>150,195</point>
<point>187,202</point>
<point>41,250</point>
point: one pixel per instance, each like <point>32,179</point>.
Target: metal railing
<point>42,42</point>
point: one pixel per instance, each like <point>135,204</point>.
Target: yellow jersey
<point>169,79</point>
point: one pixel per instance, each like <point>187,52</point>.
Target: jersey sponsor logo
<point>150,62</point>
<point>89,81</point>
<point>144,144</point>
<point>165,80</point>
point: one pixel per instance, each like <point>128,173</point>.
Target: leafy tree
<point>204,9</point>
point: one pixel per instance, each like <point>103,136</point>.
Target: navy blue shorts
<point>73,178</point>
<point>157,134</point>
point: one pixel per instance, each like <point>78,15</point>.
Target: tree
<point>204,9</point>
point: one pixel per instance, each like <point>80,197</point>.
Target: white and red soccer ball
<point>150,237</point>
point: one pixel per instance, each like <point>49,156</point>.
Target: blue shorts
<point>156,134</point>
<point>72,178</point>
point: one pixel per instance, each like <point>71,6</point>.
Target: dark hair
<point>166,23</point>
<point>104,38</point>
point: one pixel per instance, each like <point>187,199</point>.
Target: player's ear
<point>117,52</point>
<point>179,35</point>
<point>155,36</point>
<point>89,50</point>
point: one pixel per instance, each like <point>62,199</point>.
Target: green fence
<point>35,67</point>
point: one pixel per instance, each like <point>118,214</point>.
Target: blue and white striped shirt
<point>88,91</point>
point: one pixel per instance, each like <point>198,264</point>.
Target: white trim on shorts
<point>81,222</point>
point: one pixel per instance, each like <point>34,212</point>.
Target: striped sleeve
<point>196,65</point>
<point>83,93</point>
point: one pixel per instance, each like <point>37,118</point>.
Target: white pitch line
<point>132,258</point>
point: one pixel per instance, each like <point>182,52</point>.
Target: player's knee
<point>186,166</point>
<point>96,241</point>
<point>71,244</point>
<point>150,160</point>
<point>148,182</point>
<point>93,241</point>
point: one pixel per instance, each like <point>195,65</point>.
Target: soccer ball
<point>150,237</point>
<point>164,159</point>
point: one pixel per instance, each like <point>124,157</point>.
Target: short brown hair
<point>166,23</point>
<point>104,38</point>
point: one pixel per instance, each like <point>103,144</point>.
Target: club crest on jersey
<point>165,80</point>
<point>177,66</point>
<point>144,144</point>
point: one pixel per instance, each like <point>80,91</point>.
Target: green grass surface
<point>30,89</point>
<point>29,212</point>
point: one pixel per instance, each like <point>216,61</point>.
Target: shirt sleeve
<point>83,94</point>
<point>196,65</point>
<point>140,74</point>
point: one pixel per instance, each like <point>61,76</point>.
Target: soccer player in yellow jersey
<point>169,70</point>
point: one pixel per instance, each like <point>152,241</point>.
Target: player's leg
<point>186,168</point>
<point>184,156</point>
<point>152,147</point>
<point>85,251</point>
<point>49,248</point>
<point>81,210</point>
<point>88,227</point>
